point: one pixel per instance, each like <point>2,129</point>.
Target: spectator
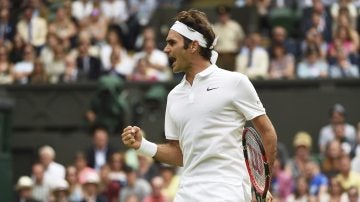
<point>32,30</point>
<point>23,69</point>
<point>171,181</point>
<point>107,187</point>
<point>23,188</point>
<point>91,189</point>
<point>147,169</point>
<point>41,188</point>
<point>312,66</point>
<point>88,65</point>
<point>81,167</point>
<point>282,64</point>
<point>330,165</point>
<point>279,36</point>
<point>343,42</point>
<point>121,66</point>
<point>71,72</point>
<point>140,187</point>
<point>337,116</point>
<point>60,191</point>
<point>16,52</point>
<point>355,163</point>
<point>7,28</point>
<point>118,168</point>
<point>343,68</point>
<point>143,72</point>
<point>230,35</point>
<point>100,151</point>
<point>47,52</point>
<point>63,27</point>
<point>56,67</point>
<point>318,182</point>
<point>5,67</point>
<point>75,192</point>
<point>334,193</point>
<point>142,10</point>
<point>156,59</point>
<point>115,11</point>
<point>253,59</point>
<point>347,177</point>
<point>301,192</point>
<point>98,26</point>
<point>350,7</point>
<point>314,40</point>
<point>108,107</point>
<point>352,195</point>
<point>148,33</point>
<point>53,170</point>
<point>302,145</point>
<point>343,20</point>
<point>113,42</point>
<point>156,195</point>
<point>81,9</point>
<point>281,181</point>
<point>38,75</point>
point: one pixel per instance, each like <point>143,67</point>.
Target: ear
<point>194,46</point>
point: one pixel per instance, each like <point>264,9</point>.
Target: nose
<point>167,49</point>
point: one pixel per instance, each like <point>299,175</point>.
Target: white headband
<point>194,35</point>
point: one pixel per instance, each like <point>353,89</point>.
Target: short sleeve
<point>171,132</point>
<point>246,99</point>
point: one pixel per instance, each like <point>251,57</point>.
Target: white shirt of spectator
<point>100,158</point>
<point>24,67</point>
<point>116,10</point>
<point>53,172</point>
<point>156,57</point>
<point>80,11</point>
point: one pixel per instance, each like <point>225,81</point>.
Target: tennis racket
<point>256,163</point>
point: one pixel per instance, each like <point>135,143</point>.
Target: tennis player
<point>205,116</point>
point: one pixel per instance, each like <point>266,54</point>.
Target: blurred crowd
<point>63,41</point>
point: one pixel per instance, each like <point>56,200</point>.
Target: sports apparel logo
<point>209,89</point>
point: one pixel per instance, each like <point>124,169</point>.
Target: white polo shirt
<point>208,119</point>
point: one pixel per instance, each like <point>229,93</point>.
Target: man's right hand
<point>131,137</point>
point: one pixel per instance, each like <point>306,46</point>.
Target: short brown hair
<point>198,21</point>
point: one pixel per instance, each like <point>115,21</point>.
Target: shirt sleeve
<point>171,131</point>
<point>246,99</point>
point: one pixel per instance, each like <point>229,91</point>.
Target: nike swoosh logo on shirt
<point>209,89</point>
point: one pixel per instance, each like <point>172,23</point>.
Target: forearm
<point>169,153</point>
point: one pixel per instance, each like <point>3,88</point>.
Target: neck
<point>197,66</point>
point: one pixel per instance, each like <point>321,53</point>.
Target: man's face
<point>178,56</point>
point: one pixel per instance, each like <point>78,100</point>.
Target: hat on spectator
<point>302,139</point>
<point>24,182</point>
<point>92,178</point>
<point>60,185</point>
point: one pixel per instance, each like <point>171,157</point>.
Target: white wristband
<point>147,148</point>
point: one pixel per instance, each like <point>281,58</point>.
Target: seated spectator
<point>334,192</point>
<point>342,41</point>
<point>32,29</point>
<point>5,67</point>
<point>107,187</point>
<point>352,195</point>
<point>282,64</point>
<point>171,181</point>
<point>347,177</point>
<point>53,170</point>
<point>253,59</point>
<point>143,72</point>
<point>112,42</point>
<point>47,52</point>
<point>91,189</point>
<point>23,69</point>
<point>148,33</point>
<point>279,36</point>
<point>350,7</point>
<point>121,66</point>
<point>23,188</point>
<point>8,29</point>
<point>88,65</point>
<point>41,188</point>
<point>118,168</point>
<point>140,187</point>
<point>330,165</point>
<point>156,59</point>
<point>16,52</point>
<point>230,36</point>
<point>60,191</point>
<point>156,195</point>
<point>116,11</point>
<point>100,151</point>
<point>343,20</point>
<point>337,115</point>
<point>63,27</point>
<point>81,9</point>
<point>282,182</point>
<point>56,67</point>
<point>71,72</point>
<point>314,39</point>
<point>81,167</point>
<point>312,65</point>
<point>75,191</point>
<point>38,75</point>
<point>318,182</point>
<point>98,26</point>
<point>142,10</point>
<point>147,169</point>
<point>301,192</point>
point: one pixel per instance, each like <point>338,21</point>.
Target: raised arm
<point>268,135</point>
<point>169,152</point>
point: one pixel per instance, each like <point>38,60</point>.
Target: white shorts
<point>212,192</point>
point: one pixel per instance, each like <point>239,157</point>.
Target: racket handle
<point>260,198</point>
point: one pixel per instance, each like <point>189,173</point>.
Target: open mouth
<point>172,61</point>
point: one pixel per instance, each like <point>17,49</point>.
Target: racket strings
<point>256,162</point>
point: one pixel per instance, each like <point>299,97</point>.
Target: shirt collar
<point>203,73</point>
